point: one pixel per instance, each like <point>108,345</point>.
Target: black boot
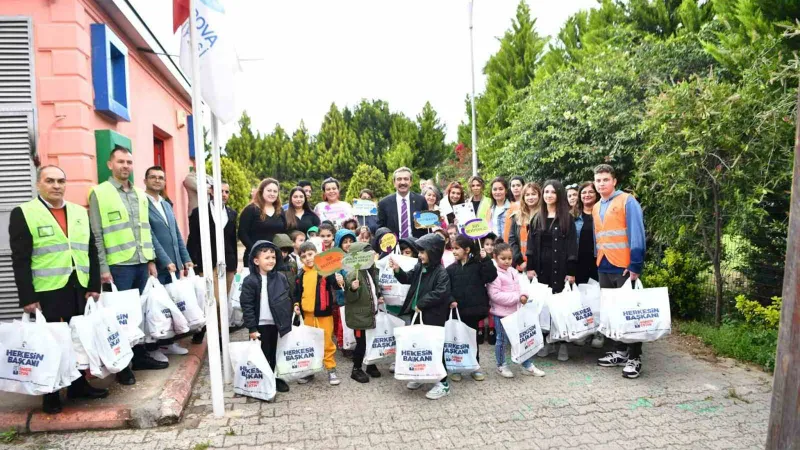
<point>373,371</point>
<point>281,386</point>
<point>492,336</point>
<point>51,403</point>
<point>81,388</point>
<point>125,377</point>
<point>359,375</point>
<point>480,335</point>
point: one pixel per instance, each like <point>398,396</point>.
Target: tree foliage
<point>367,177</point>
<point>239,180</point>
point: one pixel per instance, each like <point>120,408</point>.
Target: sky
<point>299,56</point>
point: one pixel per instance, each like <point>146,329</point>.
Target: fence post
<point>784,417</point>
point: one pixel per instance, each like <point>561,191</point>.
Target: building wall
<point>65,113</point>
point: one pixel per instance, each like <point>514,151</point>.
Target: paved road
<point>678,402</point>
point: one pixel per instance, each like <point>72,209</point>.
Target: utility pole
<point>472,97</point>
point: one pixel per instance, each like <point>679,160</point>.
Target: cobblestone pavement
<point>678,402</point>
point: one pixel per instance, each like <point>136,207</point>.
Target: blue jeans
<point>130,277</point>
<point>502,342</point>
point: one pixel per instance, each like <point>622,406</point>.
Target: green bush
<point>767,317</point>
<point>366,177</point>
<point>240,180</point>
<point>739,340</point>
<point>680,272</point>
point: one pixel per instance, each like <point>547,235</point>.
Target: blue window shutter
<point>190,129</point>
<point>110,78</point>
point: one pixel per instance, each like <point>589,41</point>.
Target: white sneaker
<point>174,349</point>
<point>391,368</point>
<point>505,372</point>
<point>333,379</point>
<point>413,385</point>
<point>438,391</point>
<point>533,370</point>
<point>158,356</point>
<point>632,368</point>
<point>598,340</point>
<point>562,352</point>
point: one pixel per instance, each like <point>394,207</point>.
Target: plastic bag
<point>252,375</point>
<point>570,319</point>
<point>419,352</point>
<point>31,357</point>
<point>524,333</point>
<point>590,298</point>
<point>538,294</point>
<point>127,307</point>
<point>198,284</point>
<point>82,330</point>
<point>394,292</point>
<point>348,335</point>
<point>460,346</point>
<point>638,314</point>
<point>157,312</point>
<point>68,368</point>
<point>380,341</point>
<point>183,294</point>
<point>235,316</point>
<point>299,352</point>
<point>109,342</point>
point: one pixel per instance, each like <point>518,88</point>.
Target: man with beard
<point>396,211</point>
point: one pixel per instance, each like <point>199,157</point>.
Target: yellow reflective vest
<point>118,237</point>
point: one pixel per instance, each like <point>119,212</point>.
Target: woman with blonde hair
<point>263,218</point>
<point>518,224</point>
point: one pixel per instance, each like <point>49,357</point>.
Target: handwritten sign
<point>388,242</point>
<point>476,228</point>
<point>330,262</point>
<point>464,212</point>
<point>364,208</point>
<point>426,219</point>
<point>359,261</point>
<point>336,212</point>
<point>317,241</point>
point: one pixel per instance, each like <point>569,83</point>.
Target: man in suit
<point>229,236</point>
<point>55,264</point>
<point>171,254</point>
<point>395,211</point>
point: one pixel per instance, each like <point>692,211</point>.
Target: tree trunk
<point>717,258</point>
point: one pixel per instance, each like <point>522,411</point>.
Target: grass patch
<point>7,437</point>
<point>737,340</point>
<point>230,432</point>
<point>202,445</point>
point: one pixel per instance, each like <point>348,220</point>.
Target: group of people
<point>63,254</point>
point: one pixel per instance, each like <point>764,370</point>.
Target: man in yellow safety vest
<point>119,214</point>
<point>55,267</point>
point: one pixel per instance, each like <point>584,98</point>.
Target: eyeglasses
<point>572,186</point>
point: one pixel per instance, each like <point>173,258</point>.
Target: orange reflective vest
<point>611,234</point>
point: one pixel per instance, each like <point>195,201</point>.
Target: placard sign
<point>388,242</point>
<point>426,219</point>
<point>330,262</point>
<point>364,208</point>
<point>359,261</point>
<point>476,229</point>
<point>464,212</point>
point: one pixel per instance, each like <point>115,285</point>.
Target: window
<point>110,73</point>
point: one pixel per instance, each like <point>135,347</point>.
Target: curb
<point>169,410</point>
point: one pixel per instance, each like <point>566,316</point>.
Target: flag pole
<point>222,284</point>
<point>472,97</point>
<point>217,397</point>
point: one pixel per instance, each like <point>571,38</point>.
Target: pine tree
<point>337,152</point>
<point>431,150</point>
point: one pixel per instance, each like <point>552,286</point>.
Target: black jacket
<point>565,254</point>
<point>21,253</point>
<point>468,285</point>
<point>325,296</point>
<point>280,304</point>
<point>229,236</point>
<point>387,213</point>
<point>514,239</point>
<point>429,283</point>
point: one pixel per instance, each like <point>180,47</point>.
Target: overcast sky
<point>314,52</point>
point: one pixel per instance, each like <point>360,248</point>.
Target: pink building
<point>76,78</point>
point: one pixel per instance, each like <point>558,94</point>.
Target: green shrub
<point>366,177</point>
<point>739,340</point>
<point>768,317</point>
<point>239,179</point>
<point>680,272</point>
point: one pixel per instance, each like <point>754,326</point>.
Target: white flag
<point>218,60</point>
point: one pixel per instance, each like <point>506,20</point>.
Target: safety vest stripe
<point>83,268</point>
<point>612,245</point>
<point>118,227</point>
<point>121,247</point>
<point>50,249</point>
<point>147,245</point>
<point>612,233</point>
<point>80,246</point>
<point>145,226</point>
<point>52,272</point>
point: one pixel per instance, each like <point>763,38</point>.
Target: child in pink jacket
<point>504,299</point>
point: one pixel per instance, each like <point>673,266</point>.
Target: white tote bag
<point>31,357</point>
<point>157,312</point>
<point>252,376</point>
<point>538,294</point>
<point>111,345</point>
<point>127,306</point>
<point>68,369</point>
<point>183,294</point>
<point>639,315</point>
<point>460,346</point>
<point>348,335</point>
<point>299,353</point>
<point>199,286</point>
<point>82,328</point>
<point>381,345</point>
<point>235,316</point>
<point>419,352</point>
<point>590,297</point>
<point>524,333</point>
<point>570,320</point>
<point>394,292</point>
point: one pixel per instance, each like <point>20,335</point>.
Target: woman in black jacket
<point>553,246</point>
<point>263,218</point>
<point>278,299</point>
<point>469,275</point>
